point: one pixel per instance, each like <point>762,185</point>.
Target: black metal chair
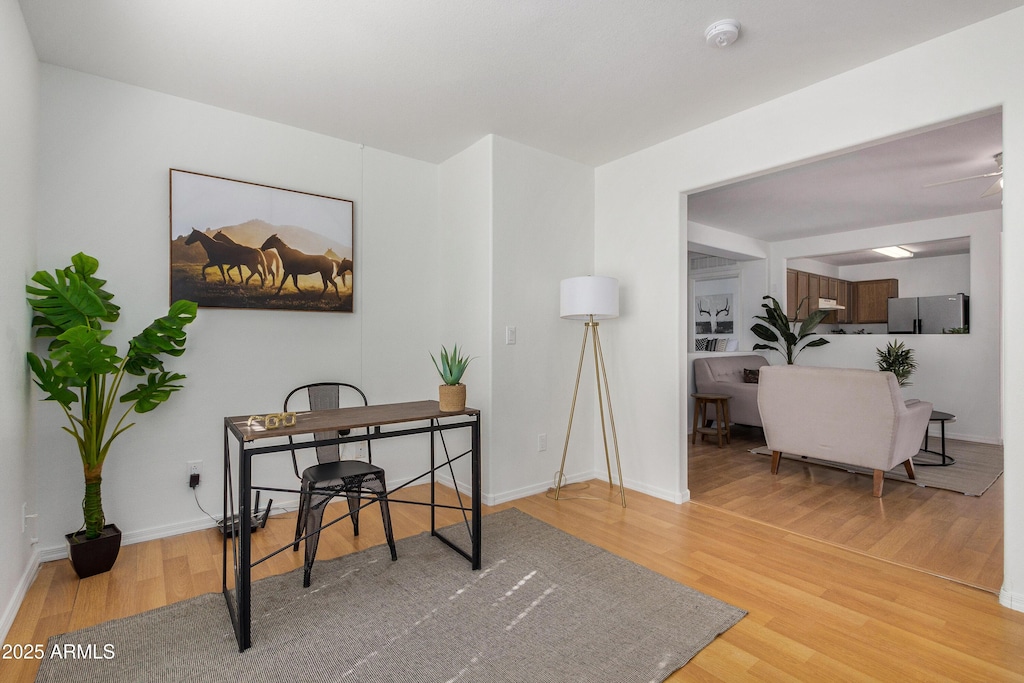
<point>332,476</point>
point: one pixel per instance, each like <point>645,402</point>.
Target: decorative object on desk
<point>779,330</point>
<point>451,394</point>
<point>897,359</point>
<point>273,420</point>
<point>591,298</point>
<point>300,241</point>
<point>84,376</point>
<point>433,619</point>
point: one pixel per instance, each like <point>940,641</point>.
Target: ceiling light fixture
<point>895,252</point>
<point>722,33</point>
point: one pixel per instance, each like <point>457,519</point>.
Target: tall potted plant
<point>84,376</point>
<point>451,394</point>
<point>777,329</point>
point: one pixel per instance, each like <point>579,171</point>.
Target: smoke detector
<point>722,33</point>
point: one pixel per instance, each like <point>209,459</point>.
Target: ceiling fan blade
<point>993,174</point>
<point>996,188</point>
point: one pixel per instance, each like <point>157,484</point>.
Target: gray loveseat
<point>724,375</point>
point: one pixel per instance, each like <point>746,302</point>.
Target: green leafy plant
<point>84,375</point>
<point>777,330</point>
<point>452,365</point>
<point>956,330</point>
<point>897,359</point>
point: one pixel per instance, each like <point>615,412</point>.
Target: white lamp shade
<point>589,295</point>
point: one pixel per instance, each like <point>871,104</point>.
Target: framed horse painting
<point>243,245</point>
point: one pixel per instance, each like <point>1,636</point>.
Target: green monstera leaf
<point>84,373</point>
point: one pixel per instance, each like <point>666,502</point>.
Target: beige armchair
<point>848,416</point>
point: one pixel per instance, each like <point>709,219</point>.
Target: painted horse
<point>272,258</point>
<point>296,263</point>
<point>345,267</point>
<point>221,254</point>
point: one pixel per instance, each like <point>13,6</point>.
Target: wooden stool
<point>700,418</point>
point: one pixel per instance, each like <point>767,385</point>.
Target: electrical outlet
<point>542,442</point>
<point>195,471</point>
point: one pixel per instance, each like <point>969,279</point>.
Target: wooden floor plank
<point>943,532</point>
<point>817,610</point>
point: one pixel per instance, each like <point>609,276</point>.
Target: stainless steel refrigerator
<point>928,314</point>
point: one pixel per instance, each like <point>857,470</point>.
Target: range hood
<point>829,305</point>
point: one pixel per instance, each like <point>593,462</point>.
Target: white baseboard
<point>973,438</point>
<point>523,492</point>
<point>59,552</point>
<point>20,591</point>
<point>1014,601</point>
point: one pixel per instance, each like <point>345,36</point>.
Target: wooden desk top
<point>343,418</point>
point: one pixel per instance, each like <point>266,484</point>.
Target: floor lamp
<point>591,298</point>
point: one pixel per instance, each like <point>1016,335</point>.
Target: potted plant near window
<point>84,376</point>
<point>779,330</point>
<point>897,359</point>
<point>451,394</point>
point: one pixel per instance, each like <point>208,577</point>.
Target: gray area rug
<point>975,471</point>
<point>545,607</point>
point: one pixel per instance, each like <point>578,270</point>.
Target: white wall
<point>958,373</point>
<point>514,221</point>
<point>18,136</point>
<point>543,232</point>
<point>971,70</point>
<point>464,270</point>
<point>928,276</point>
<point>104,156</point>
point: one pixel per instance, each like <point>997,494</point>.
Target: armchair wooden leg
<point>776,457</point>
<point>909,465</point>
<point>876,489</point>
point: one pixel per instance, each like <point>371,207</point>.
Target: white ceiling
<point>590,80</point>
<point>884,184</point>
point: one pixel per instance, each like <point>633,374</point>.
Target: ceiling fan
<point>996,188</point>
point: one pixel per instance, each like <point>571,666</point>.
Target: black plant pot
<point>94,556</point>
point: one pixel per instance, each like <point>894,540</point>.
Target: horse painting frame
<point>238,244</point>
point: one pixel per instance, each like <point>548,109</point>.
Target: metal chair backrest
<point>325,396</point>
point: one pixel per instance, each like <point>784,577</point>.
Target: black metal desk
<point>372,417</point>
<point>944,460</point>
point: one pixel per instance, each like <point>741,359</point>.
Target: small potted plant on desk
<point>83,375</point>
<point>451,394</point>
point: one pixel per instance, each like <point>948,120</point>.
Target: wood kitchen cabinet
<point>797,287</point>
<point>873,306</point>
<point>813,292</point>
<point>844,297</point>
<point>871,300</point>
<point>791,295</point>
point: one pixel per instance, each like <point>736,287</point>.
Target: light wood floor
<point>817,611</point>
<point>943,532</point>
